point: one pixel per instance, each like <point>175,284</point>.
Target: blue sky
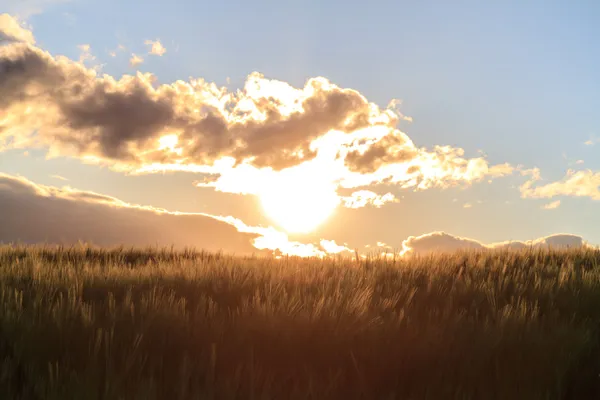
<point>518,81</point>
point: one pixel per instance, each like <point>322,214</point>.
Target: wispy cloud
<point>62,178</point>
<point>70,18</point>
<point>86,53</point>
<point>27,8</point>
<point>592,140</point>
<point>362,198</point>
<point>552,205</point>
<point>120,48</point>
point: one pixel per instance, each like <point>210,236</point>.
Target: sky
<point>300,127</point>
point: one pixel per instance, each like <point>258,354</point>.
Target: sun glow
<point>298,208</point>
<point>169,142</point>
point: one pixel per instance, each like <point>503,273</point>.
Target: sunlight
<point>298,208</point>
<point>168,142</point>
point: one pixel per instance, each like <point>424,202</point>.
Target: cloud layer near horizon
<point>33,213</point>
<point>441,242</point>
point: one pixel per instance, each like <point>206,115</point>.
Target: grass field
<point>83,323</point>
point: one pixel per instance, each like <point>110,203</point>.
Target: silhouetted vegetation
<point>83,323</point>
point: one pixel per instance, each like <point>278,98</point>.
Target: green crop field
<point>85,323</point>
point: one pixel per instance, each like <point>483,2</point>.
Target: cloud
<point>113,53</point>
<point>12,31</point>
<point>438,242</point>
<point>467,205</point>
<point>26,8</point>
<point>62,178</point>
<point>533,172</point>
<point>393,148</point>
<point>441,242</point>
<point>156,47</point>
<point>34,213</point>
<point>584,183</point>
<point>278,242</point>
<point>559,240</point>
<point>135,60</point>
<point>268,124</point>
<point>331,247</point>
<point>312,141</point>
<point>592,140</point>
<point>551,205</point>
<point>86,54</point>
<point>363,198</point>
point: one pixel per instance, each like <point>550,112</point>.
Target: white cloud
<point>362,198</point>
<point>11,30</point>
<point>278,242</point>
<point>331,247</point>
<point>583,183</point>
<point>438,242</point>
<point>156,47</point>
<point>135,60</point>
<point>441,242</point>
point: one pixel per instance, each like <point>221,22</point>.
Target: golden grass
<point>84,323</point>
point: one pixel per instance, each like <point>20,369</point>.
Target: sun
<point>298,209</point>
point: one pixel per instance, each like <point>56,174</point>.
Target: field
<point>85,323</point>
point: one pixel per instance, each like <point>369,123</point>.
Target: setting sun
<point>298,210</point>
